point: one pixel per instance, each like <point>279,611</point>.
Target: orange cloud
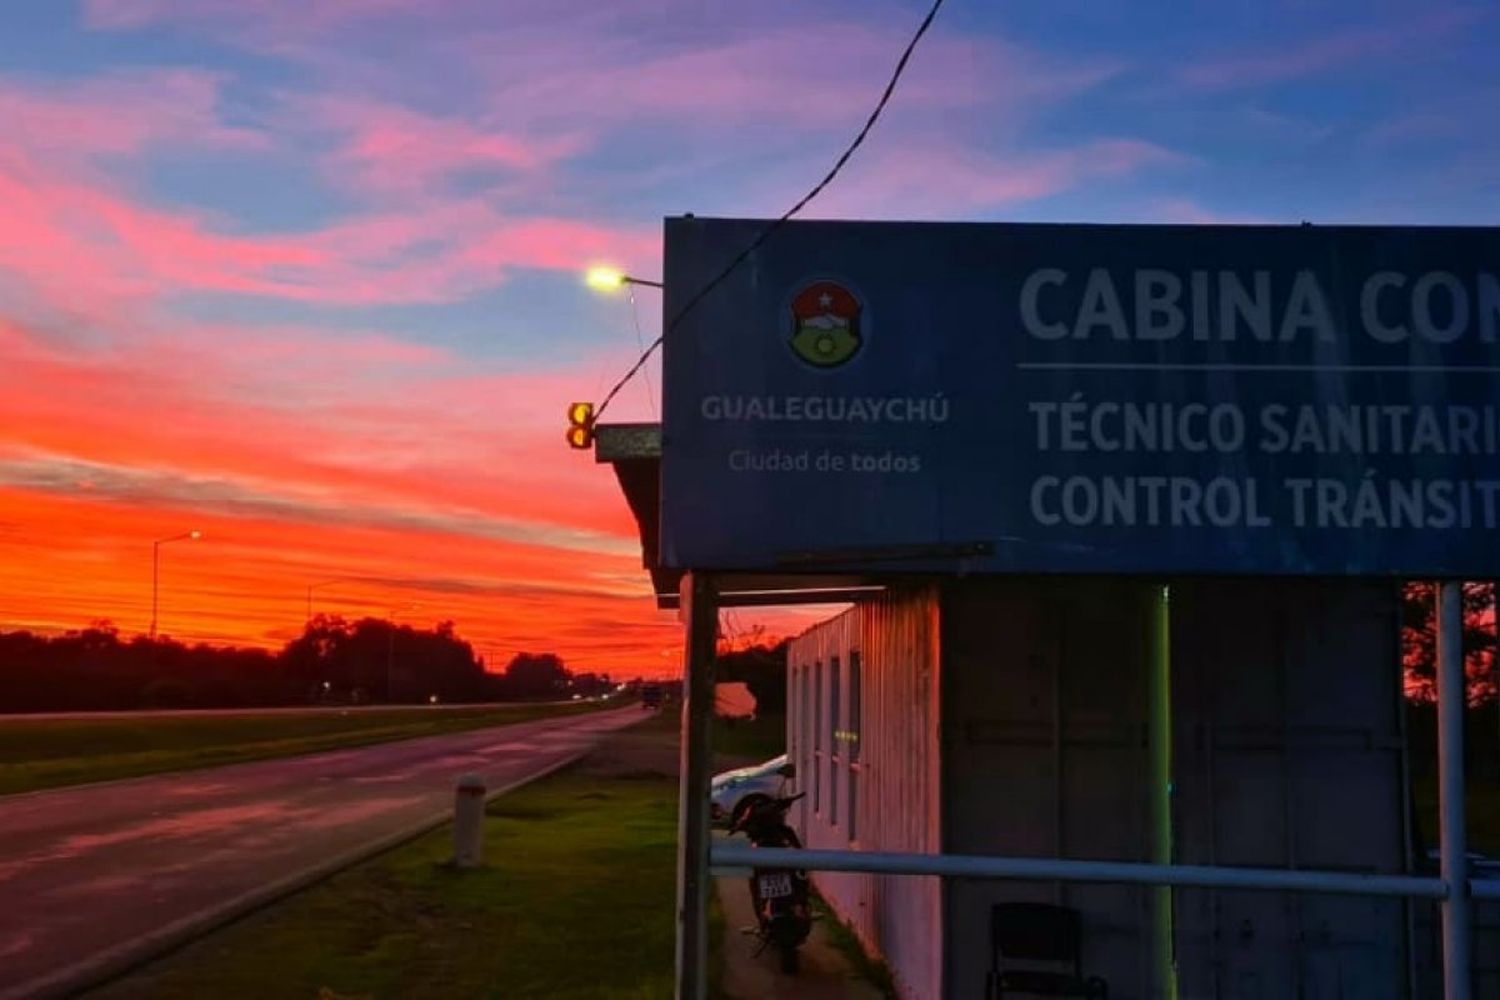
<point>70,560</point>
<point>480,514</point>
<point>160,420</point>
<point>401,469</point>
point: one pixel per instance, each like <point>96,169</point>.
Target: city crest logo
<point>825,329</point>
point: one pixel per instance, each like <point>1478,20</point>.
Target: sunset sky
<point>305,274</point>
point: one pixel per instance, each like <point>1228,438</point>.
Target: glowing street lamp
<point>607,279</point>
<point>580,433</point>
<point>156,569</point>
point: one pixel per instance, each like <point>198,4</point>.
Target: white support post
<point>700,610</point>
<point>1452,828</point>
<point>468,822</point>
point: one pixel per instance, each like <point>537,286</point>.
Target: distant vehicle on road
<point>732,792</point>
<point>651,696</point>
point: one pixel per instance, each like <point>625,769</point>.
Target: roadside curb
<point>120,959</point>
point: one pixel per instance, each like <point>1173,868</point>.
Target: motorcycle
<point>779,895</point>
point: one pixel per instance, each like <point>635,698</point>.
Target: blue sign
<point>1084,399</point>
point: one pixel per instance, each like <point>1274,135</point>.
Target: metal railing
<point>731,855</point>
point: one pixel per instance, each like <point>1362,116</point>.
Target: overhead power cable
<point>771,228</point>
<point>640,345</point>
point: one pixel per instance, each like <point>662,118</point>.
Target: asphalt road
<point>88,873</point>
<point>146,715</point>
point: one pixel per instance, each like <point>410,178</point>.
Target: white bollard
<point>468,821</point>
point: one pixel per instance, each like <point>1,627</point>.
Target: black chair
<point>1037,933</point>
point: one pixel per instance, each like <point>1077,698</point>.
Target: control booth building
<point>1010,717</point>
<point>1120,517</point>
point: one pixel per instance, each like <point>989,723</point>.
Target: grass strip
<point>844,941</point>
<point>762,738</point>
<point>575,901</point>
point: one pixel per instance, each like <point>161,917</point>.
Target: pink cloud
<point>121,112</point>
<point>446,250</point>
<point>942,179</point>
<point>539,102</point>
<point>1318,55</point>
<point>386,148</point>
<point>556,64</point>
<point>285,367</point>
<point>282,15</point>
<point>73,234</point>
<point>73,240</point>
<point>819,75</point>
<point>1185,211</point>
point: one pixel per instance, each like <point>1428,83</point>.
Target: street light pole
<point>314,586</point>
<point>580,435</point>
<point>156,570</point>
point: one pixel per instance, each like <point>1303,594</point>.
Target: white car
<point>733,790</point>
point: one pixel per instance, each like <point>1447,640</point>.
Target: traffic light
<point>580,425</point>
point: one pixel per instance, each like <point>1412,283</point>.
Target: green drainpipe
<point>1159,738</point>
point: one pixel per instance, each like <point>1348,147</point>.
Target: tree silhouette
<point>333,660</point>
<point>1419,641</point>
<point>761,667</point>
<point>536,675</point>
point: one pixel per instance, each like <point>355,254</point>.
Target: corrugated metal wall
<point>863,710</point>
<point>1289,754</point>
<point>1044,689</point>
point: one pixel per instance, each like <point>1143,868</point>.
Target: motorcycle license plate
<point>775,885</point>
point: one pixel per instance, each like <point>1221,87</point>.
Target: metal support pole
<point>1453,826</point>
<point>155,581</point>
<point>699,603</point>
<point>1159,739</point>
